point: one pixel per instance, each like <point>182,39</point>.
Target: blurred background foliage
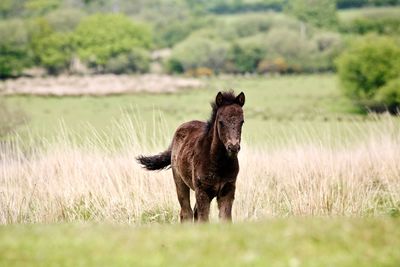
<point>369,70</point>
<point>206,38</point>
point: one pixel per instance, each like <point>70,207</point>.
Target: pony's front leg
<point>225,201</point>
<point>202,207</point>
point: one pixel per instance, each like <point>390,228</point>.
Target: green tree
<point>245,57</point>
<point>51,39</point>
<point>103,36</point>
<point>389,96</point>
<point>195,52</point>
<point>56,52</point>
<point>137,60</point>
<point>39,29</point>
<point>14,48</point>
<point>368,64</point>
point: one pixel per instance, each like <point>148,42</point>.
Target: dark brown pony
<point>203,157</point>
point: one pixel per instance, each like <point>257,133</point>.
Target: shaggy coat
<point>203,157</point>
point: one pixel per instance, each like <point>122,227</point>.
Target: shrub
<point>295,49</point>
<point>251,25</point>
<point>200,72</point>
<point>39,29</point>
<point>137,60</point>
<point>197,52</point>
<point>278,65</point>
<point>329,46</point>
<point>100,37</point>
<point>370,63</point>
<point>245,57</point>
<point>55,52</point>
<point>388,96</point>
<point>14,48</point>
<point>287,50</point>
<point>174,66</point>
<point>51,50</point>
<point>281,49</point>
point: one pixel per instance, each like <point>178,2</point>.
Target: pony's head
<point>229,120</point>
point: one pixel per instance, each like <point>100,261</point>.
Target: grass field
<point>278,242</point>
<point>318,186</point>
<point>305,153</point>
<point>278,105</point>
<point>97,178</point>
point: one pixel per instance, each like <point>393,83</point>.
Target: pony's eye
<point>221,124</point>
<point>241,123</point>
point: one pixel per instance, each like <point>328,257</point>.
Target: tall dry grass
<point>98,179</point>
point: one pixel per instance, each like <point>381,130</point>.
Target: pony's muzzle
<point>233,148</point>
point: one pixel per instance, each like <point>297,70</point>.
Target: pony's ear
<point>240,99</point>
<point>219,99</point>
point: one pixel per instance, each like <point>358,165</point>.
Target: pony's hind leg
<point>183,192</point>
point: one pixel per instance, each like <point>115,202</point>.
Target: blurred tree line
<point>54,40</point>
<point>206,37</point>
<point>13,8</point>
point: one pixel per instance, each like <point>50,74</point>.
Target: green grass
<point>276,242</point>
<point>278,105</point>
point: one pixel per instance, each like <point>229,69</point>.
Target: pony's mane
<point>229,99</point>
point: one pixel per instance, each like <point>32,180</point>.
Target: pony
<point>203,158</point>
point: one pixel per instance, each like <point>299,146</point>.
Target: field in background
<point>275,107</point>
<point>279,242</point>
<point>305,153</point>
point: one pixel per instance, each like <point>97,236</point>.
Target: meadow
<point>314,170</point>
<point>304,142</point>
<point>278,105</point>
<point>319,176</point>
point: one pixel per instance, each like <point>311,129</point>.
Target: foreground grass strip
<point>277,242</point>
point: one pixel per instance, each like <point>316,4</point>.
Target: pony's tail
<point>157,162</point>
